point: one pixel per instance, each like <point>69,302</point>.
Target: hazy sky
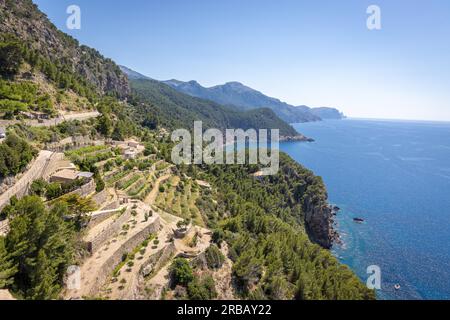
<point>315,52</point>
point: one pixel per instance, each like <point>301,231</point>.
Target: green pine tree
<point>7,268</point>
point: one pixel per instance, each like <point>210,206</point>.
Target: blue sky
<point>317,53</point>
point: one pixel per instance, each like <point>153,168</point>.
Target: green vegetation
<point>10,57</point>
<point>40,136</point>
<point>214,258</point>
<point>81,152</point>
<point>173,109</point>
<point>7,268</point>
<point>54,190</point>
<point>88,157</point>
<point>129,257</point>
<point>272,254</point>
<point>181,272</point>
<point>202,289</point>
<point>128,182</point>
<point>15,154</point>
<point>117,120</point>
<point>13,52</point>
<point>180,197</point>
<point>198,287</point>
<point>40,247</point>
<point>16,97</point>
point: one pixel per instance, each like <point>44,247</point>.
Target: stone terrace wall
<point>158,260</point>
<point>19,189</point>
<point>109,265</point>
<point>153,264</point>
<point>100,198</point>
<point>73,142</point>
<point>85,189</point>
<point>102,216</point>
<point>110,232</point>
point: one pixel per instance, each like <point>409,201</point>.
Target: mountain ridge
<point>181,110</point>
<point>237,95</point>
<point>242,96</point>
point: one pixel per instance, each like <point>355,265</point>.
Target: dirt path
<point>81,116</point>
<point>150,199</point>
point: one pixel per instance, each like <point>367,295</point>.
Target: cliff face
<point>319,222</point>
<point>23,19</point>
<point>309,191</point>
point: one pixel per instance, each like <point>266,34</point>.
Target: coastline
<point>298,138</point>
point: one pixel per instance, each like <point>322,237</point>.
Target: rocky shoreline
<point>297,138</point>
<point>320,225</point>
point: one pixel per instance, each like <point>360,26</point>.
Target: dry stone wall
<point>112,230</point>
<point>109,265</point>
<point>20,188</point>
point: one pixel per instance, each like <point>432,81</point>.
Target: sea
<point>395,175</point>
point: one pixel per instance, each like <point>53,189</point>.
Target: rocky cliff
<point>319,222</point>
<point>22,19</point>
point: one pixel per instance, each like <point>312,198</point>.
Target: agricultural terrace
<point>179,196</point>
<point>91,155</point>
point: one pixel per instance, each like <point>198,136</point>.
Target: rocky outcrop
<point>23,19</point>
<point>319,222</point>
<point>297,138</point>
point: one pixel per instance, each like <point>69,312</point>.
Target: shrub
<point>214,258</point>
<point>181,272</point>
<point>204,289</point>
<point>10,58</point>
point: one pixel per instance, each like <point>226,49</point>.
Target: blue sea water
<point>396,176</point>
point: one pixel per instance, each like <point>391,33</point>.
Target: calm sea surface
<point>396,176</point>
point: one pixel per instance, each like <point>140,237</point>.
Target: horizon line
<point>394,119</point>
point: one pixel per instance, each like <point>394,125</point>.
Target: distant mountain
<point>246,98</point>
<point>328,113</point>
<point>179,110</point>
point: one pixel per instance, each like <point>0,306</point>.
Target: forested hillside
<point>261,219</point>
<point>263,222</point>
<point>179,110</point>
<point>22,20</point>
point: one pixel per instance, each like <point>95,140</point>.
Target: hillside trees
<point>10,57</point>
<point>181,272</point>
<point>15,154</point>
<point>7,267</point>
<point>266,234</point>
<point>198,287</point>
<point>214,258</point>
<point>41,245</point>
